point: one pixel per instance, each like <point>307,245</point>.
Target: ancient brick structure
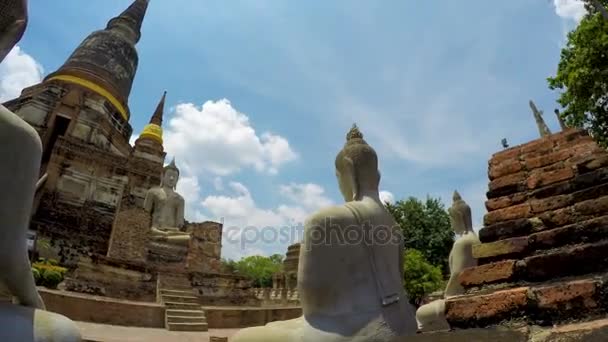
<point>543,258</point>
<point>82,114</point>
<point>130,236</point>
<point>205,247</point>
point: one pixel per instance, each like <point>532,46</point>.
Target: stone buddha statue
<point>25,319</point>
<point>167,209</point>
<point>350,275</point>
<point>431,317</point>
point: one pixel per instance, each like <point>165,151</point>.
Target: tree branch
<point>600,8</point>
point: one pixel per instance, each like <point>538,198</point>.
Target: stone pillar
<point>204,252</point>
<point>547,228</point>
<point>130,235</point>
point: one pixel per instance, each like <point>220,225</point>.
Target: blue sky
<point>433,85</point>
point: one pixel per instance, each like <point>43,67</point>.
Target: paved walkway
<point>115,333</point>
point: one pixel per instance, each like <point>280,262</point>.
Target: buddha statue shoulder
<point>350,273</point>
<point>21,151</point>
<point>431,317</point>
<point>166,207</point>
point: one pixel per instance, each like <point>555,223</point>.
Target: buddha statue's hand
<point>161,238</point>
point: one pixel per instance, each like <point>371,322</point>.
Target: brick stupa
<point>544,253</point>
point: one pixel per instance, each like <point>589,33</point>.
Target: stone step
<point>186,319</point>
<point>543,304</point>
<point>174,292</point>
<point>182,313</point>
<point>554,264</point>
<point>179,299</point>
<point>182,306</point>
<point>187,326</point>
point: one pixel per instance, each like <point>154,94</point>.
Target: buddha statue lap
<point>167,209</point>
<point>349,290</point>
<point>24,319</point>
<point>431,317</point>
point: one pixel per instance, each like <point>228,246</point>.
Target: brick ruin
<point>543,258</point>
<point>90,209</point>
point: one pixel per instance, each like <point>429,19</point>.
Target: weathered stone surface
<point>493,334</point>
<point>129,240</point>
<point>542,178</point>
<point>224,290</point>
<point>501,271</point>
<point>557,218</point>
<point>574,295</point>
<point>586,231</point>
<point>570,261</point>
<point>508,154</point>
<point>592,207</point>
<point>506,229</point>
<point>505,201</point>
<point>501,248</point>
<point>536,147</point>
<point>204,251</point>
<point>483,310</point>
<point>594,331</point>
<point>505,168</point>
<point>551,203</point>
<point>548,159</point>
<point>507,181</point>
<point>519,211</point>
<point>569,136</point>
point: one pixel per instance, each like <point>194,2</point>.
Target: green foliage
<point>37,276</point>
<point>420,277</point>
<point>51,278</point>
<point>228,266</point>
<point>49,273</point>
<point>257,267</point>
<point>426,228</point>
<point>582,76</point>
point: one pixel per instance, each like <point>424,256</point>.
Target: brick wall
<point>542,258</point>
<point>85,308</point>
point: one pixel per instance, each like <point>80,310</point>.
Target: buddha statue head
<point>460,215</point>
<point>13,20</point>
<point>357,167</point>
<point>170,175</point>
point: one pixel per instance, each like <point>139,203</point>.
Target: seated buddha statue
<point>431,317</point>
<point>22,311</point>
<point>167,209</point>
<point>350,287</point>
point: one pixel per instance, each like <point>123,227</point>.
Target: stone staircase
<point>182,309</point>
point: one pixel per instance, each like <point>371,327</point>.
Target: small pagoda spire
<point>157,117</point>
<point>129,22</point>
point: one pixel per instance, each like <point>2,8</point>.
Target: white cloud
<point>243,218</point>
<point>217,139</point>
<point>387,197</point>
<point>310,196</point>
<point>570,9</point>
<point>133,138</point>
<point>18,70</point>
<point>218,184</point>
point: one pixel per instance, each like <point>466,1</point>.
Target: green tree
<point>426,228</point>
<point>257,267</point>
<point>420,277</point>
<point>582,74</point>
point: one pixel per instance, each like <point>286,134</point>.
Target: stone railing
<point>278,296</point>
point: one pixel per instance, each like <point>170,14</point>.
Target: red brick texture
<point>539,304</point>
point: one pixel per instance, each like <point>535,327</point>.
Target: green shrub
<point>421,277</point>
<point>49,273</point>
<point>37,276</point>
<point>44,266</point>
<point>51,279</point>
